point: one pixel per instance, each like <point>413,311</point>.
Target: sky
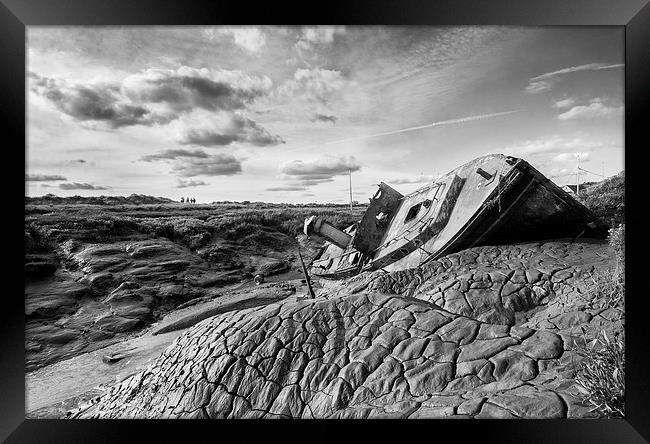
<point>286,114</point>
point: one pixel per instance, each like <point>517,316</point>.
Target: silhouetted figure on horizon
<point>193,200</point>
<point>182,200</point>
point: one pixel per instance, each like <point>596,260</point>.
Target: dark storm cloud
<point>81,186</point>
<point>239,129</point>
<point>188,183</point>
<point>174,154</point>
<point>152,96</point>
<point>43,177</point>
<point>324,118</point>
<point>215,165</point>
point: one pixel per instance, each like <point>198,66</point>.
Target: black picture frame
<point>633,15</point>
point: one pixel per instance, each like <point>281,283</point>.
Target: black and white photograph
<point>324,222</point>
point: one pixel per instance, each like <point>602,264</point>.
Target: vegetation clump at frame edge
<point>601,378</point>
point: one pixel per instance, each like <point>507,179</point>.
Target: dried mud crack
<point>489,332</point>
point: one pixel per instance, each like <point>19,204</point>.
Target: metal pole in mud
<point>578,174</point>
<point>304,271</point>
<point>350,173</point>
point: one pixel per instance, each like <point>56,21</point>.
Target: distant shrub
<point>607,199</point>
<point>35,241</point>
<point>289,221</point>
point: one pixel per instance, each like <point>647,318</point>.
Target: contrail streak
<point>430,125</point>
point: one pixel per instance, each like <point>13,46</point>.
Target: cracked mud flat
<point>98,276</point>
<point>489,332</point>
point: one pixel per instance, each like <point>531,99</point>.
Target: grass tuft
<point>601,378</point>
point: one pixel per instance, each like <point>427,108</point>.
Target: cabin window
<point>484,173</point>
<point>354,258</point>
<point>413,212</point>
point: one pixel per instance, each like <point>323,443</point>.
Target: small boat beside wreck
<point>494,199</point>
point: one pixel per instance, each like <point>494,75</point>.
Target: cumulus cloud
<point>545,82</point>
<point>188,183</point>
<point>152,96</point>
<point>251,39</point>
<point>324,118</point>
<point>189,163</point>
<point>595,109</point>
<point>188,88</point>
<point>43,177</point>
<point>81,186</point>
<point>305,174</point>
<point>313,85</point>
<point>238,129</point>
<point>174,154</point>
<point>214,165</point>
<point>100,102</point>
<point>564,103</point>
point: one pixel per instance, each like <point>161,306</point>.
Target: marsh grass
<point>601,377</point>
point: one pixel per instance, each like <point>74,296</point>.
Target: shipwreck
<point>495,199</point>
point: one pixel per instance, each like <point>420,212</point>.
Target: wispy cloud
<point>317,35</point>
<point>429,125</point>
<point>412,180</point>
<point>174,154</point>
<point>288,188</point>
<point>565,157</point>
<point>546,81</point>
<point>324,118</point>
<point>553,145</point>
<point>189,183</point>
<point>81,186</point>
<point>43,177</point>
<point>315,85</point>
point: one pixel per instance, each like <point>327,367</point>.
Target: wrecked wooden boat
<point>492,200</point>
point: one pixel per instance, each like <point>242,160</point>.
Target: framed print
<point>377,215</point>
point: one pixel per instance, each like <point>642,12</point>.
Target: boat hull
<point>492,200</point>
